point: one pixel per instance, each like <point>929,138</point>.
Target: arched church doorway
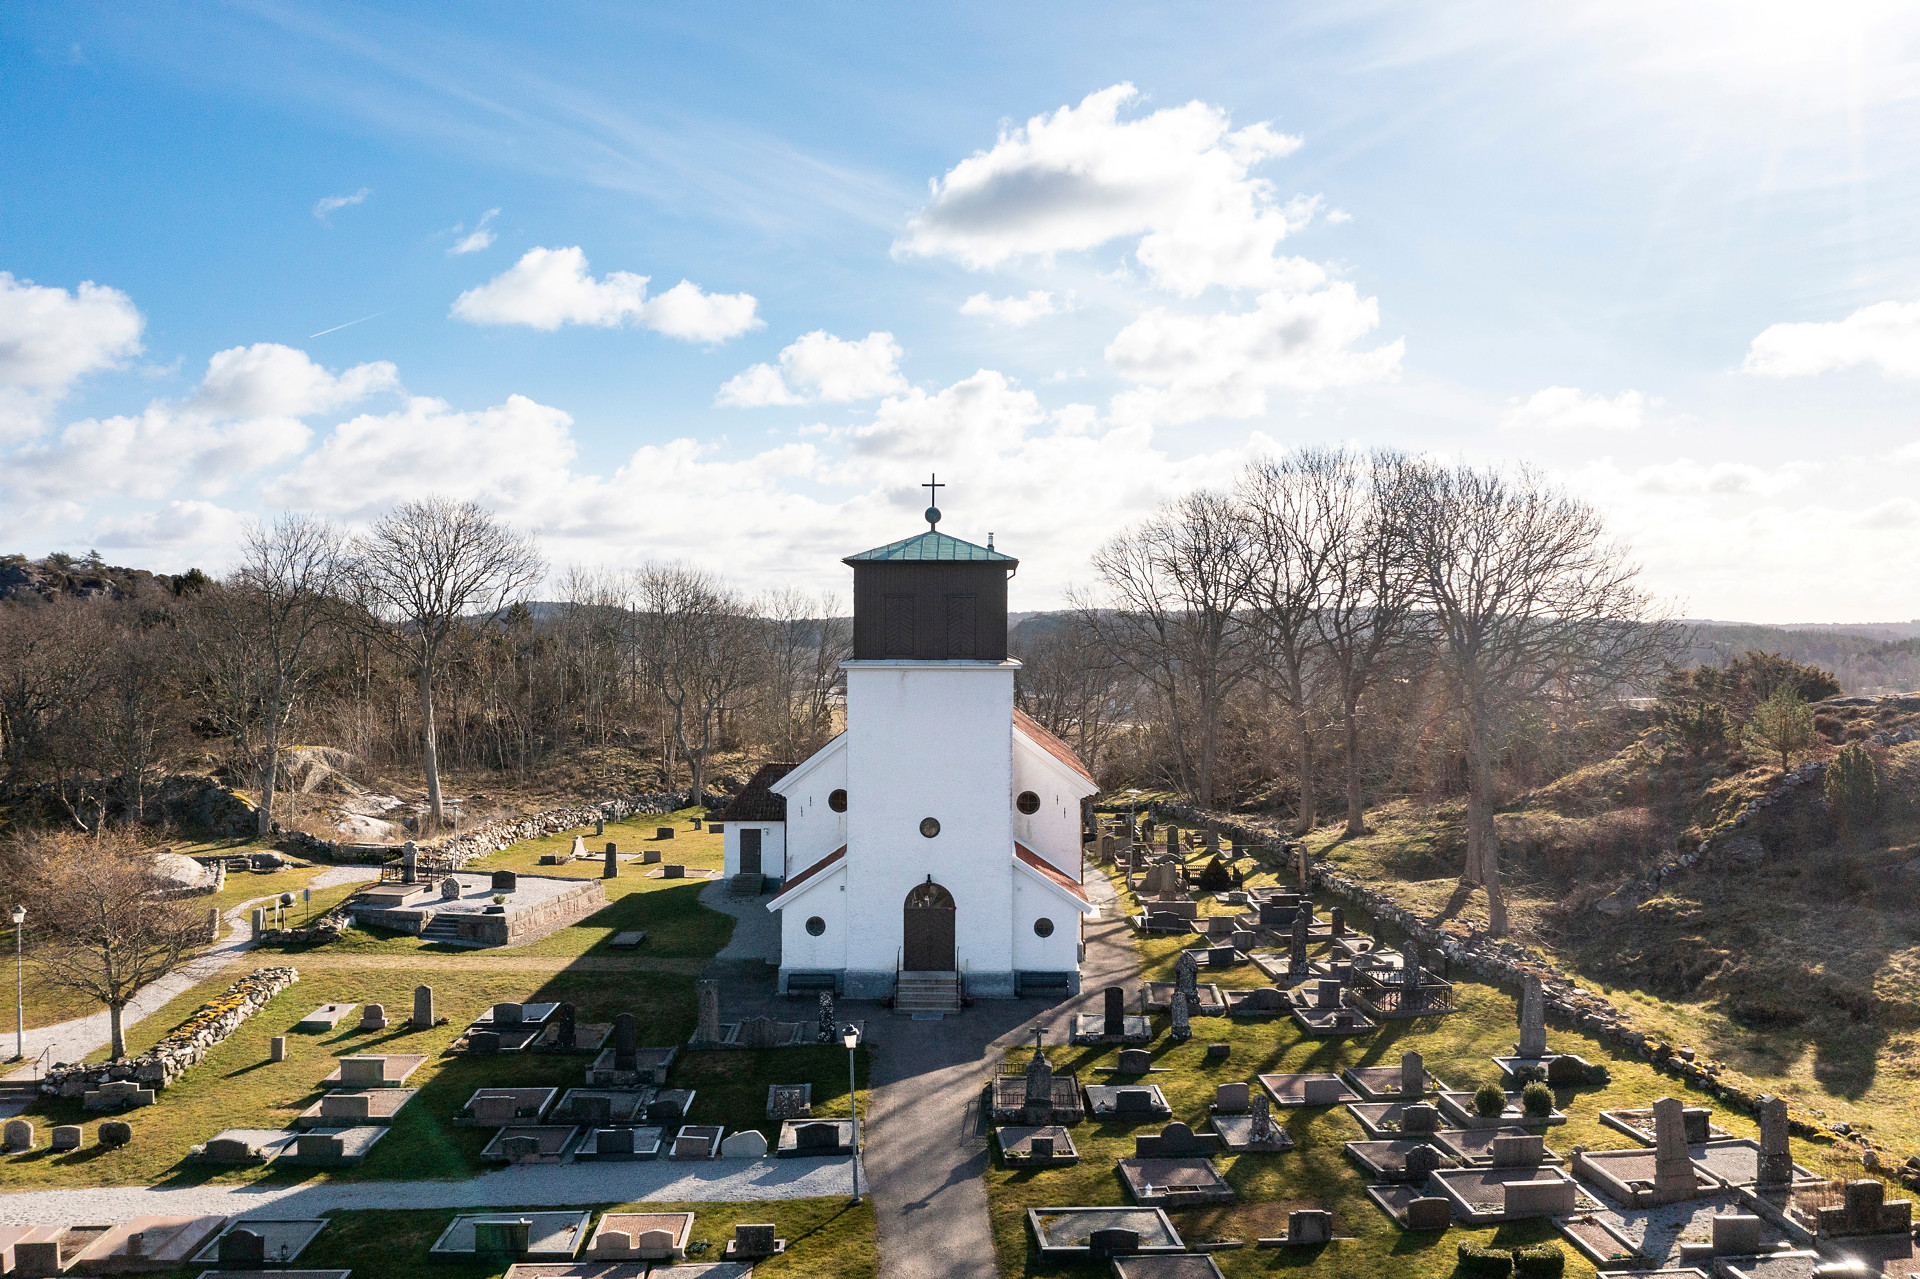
<point>927,938</point>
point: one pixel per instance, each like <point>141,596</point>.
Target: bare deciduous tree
<point>1070,683</point>
<point>110,931</point>
<point>1175,591</point>
<point>423,571</point>
<point>1526,593</point>
<point>258,640</point>
<point>703,653</point>
<point>807,643</point>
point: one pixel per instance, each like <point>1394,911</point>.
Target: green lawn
<point>669,910</point>
<point>1317,1172</point>
<point>826,1239</point>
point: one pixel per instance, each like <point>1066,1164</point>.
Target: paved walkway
<point>71,1041</point>
<point>537,1186</point>
<point>927,1146</point>
<point>757,934</point>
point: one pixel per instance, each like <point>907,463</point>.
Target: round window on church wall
<point>929,827</point>
<point>817,925</point>
<point>1028,802</point>
<point>1043,927</point>
<point>837,801</point>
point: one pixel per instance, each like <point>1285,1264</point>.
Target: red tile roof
<point>1052,745</point>
<point>1048,869</point>
<point>756,803</point>
<point>813,870</point>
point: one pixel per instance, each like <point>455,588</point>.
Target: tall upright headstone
<point>611,869</point>
<point>1412,993</point>
<point>1115,1026</point>
<point>566,1035</point>
<point>1182,1030</point>
<point>1173,841</point>
<point>1533,1019</point>
<point>828,1029</point>
<point>1213,836</point>
<point>1776,1159</point>
<point>626,1043</point>
<point>1336,921</point>
<point>599,826</point>
<point>1300,855</point>
<point>707,991</point>
<point>1673,1178</point>
<point>1039,1090</point>
<point>1186,978</point>
<point>1297,950</point>
<point>423,1007</point>
<point>409,863</point>
<point>1413,1074</point>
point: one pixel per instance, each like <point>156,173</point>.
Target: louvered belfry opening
<point>930,598</point>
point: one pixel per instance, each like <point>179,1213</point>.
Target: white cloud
<point>329,205</point>
<point>1180,179</point>
<point>1567,408</point>
<point>50,339</point>
<point>550,287</point>
<point>1338,217</point>
<point>190,525</point>
<point>1192,366</point>
<point>245,417</point>
<point>1900,512</point>
<point>819,367</point>
<point>1013,312</point>
<point>477,239</point>
<point>1684,477</point>
<point>1885,335</point>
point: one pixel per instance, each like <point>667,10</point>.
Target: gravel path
<point>757,935</point>
<point>483,961</point>
<point>927,1149</point>
<point>73,1040</point>
<point>537,1186</point>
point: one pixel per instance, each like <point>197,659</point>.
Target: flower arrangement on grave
<point>499,899</point>
<point>1489,1100</point>
<point>1536,1099</point>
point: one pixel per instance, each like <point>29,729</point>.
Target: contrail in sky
<point>349,324</point>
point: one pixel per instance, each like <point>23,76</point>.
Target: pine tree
<point>1782,725</point>
<point>1853,789</point>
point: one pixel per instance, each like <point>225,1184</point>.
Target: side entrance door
<point>750,850</point>
<point>927,934</point>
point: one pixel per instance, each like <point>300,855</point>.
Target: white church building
<point>933,847</point>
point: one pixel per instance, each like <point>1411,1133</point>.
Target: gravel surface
<point>757,935</point>
<point>536,1186</point>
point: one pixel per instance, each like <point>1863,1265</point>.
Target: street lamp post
<point>851,1038</point>
<point>19,985</point>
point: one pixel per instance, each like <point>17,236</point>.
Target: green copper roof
<point>930,546</point>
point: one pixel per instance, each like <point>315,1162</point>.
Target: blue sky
<point>1665,252</point>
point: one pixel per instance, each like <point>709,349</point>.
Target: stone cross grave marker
<point>1039,1075</point>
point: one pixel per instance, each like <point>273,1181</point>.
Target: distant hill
<point>1867,659</point>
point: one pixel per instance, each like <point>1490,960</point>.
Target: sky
<point>727,284</point>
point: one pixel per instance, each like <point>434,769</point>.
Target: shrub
<point>1565,1070</point>
<point>1853,789</point>
<point>1215,878</point>
<point>1489,1099</point>
<point>1545,1259</point>
<point>1479,1259</point>
<point>1782,725</point>
<point>1536,1099</point>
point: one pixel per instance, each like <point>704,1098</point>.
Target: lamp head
<point>850,1037</point>
<point>19,915</point>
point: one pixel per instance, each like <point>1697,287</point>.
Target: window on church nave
<point>1028,802</point>
<point>837,801</point>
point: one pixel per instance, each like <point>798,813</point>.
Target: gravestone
<point>1162,881</point>
<point>1419,1118</point>
<point>1672,1168</point>
<point>1413,1074</point>
<point>1134,1061</point>
<point>665,1112</point>
<point>484,1042</point>
<point>409,863</point>
<point>625,1043</point>
<point>593,1112</point>
<point>277,1048</point>
<point>504,1238</point>
<point>1039,1149</point>
<point>663,832</point>
<point>1218,1052</point>
<point>1186,976</point>
<point>672,871</point>
<point>115,1133</point>
<point>599,826</point>
<point>1231,1099</point>
<point>323,1147</point>
<point>1533,1018</point>
<point>519,1148</point>
<point>1113,1242</point>
<point>1518,1151</point>
<point>1429,1213</point>
<point>1307,1226</point>
<point>239,1246</point>
<point>373,1017</point>
<point>37,1257</point>
<point>749,1143</point>
<point>579,848</point>
<point>707,991</point>
<point>1322,1090</point>
<point>1300,855</point>
<point>354,1106</point>
<point>1297,944</point>
<point>1173,842</point>
<point>363,1072</point>
<point>649,857</point>
<point>449,889</point>
<point>1181,1029</point>
<point>828,1029</point>
<point>259,922</point>
<point>1133,1101</point>
<point>761,1032</point>
<point>1412,993</point>
<point>816,1136</point>
<point>504,881</point>
<point>611,868</point>
<point>752,1242</point>
<point>1261,1127</point>
<point>19,1134</point>
<point>1326,993</point>
<point>566,1033</point>
<point>67,1137</point>
<point>1776,1160</point>
<point>1337,922</point>
<point>491,1111</point>
<point>1735,1234</point>
<point>1039,1091</point>
<point>1697,1122</point>
<point>1420,1161</point>
<point>613,1141</point>
<point>1116,1013</point>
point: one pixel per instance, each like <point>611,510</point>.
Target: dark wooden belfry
<point>931,597</point>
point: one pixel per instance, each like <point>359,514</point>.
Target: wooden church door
<point>927,938</point>
<point>750,850</point>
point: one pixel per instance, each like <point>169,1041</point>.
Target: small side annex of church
<point>933,847</point>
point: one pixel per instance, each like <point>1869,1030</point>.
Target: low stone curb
<point>167,1060</point>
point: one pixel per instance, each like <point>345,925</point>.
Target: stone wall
<point>167,1060</point>
<point>491,837</point>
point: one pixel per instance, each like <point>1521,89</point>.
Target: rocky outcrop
<point>169,1059</point>
<point>455,851</point>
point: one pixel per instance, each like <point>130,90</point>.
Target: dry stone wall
<point>455,851</point>
<point>167,1060</point>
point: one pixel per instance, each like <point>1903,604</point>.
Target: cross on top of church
<point>933,487</point>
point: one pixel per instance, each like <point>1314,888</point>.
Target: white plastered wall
<point>813,829</point>
<point>1032,953</point>
<point>773,848</point>
<point>824,897</point>
<point>1054,831</point>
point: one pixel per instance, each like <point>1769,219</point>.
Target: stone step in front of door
<point>918,992</point>
<point>746,884</point>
